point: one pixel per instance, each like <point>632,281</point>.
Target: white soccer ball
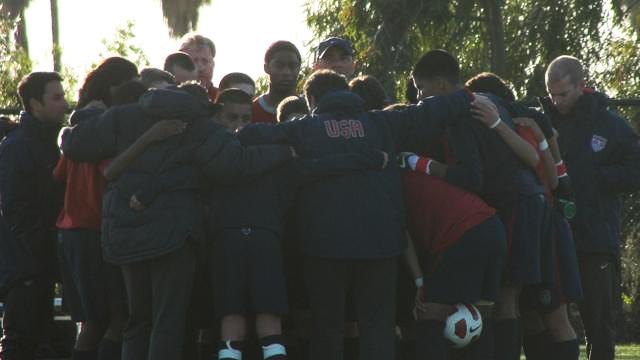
<point>463,326</point>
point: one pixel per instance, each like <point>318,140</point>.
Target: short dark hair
<point>128,92</point>
<point>437,63</point>
<point>149,76</point>
<point>323,82</point>
<point>281,46</point>
<point>234,96</point>
<point>32,86</point>
<point>181,59</point>
<point>109,73</point>
<point>291,105</point>
<point>197,40</point>
<point>235,78</point>
<point>491,83</point>
<point>370,90</point>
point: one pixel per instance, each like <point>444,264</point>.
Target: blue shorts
<point>469,270</point>
<point>565,286</point>
<point>91,287</point>
<point>523,224</point>
<point>248,275</point>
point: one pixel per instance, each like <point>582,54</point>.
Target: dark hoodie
<point>602,154</point>
<point>361,215</point>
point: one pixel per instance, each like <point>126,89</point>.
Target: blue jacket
<point>602,154</point>
<point>29,202</point>
<point>360,215</point>
<point>180,167</point>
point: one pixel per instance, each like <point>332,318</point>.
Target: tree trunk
<point>495,25</point>
<point>21,32</point>
<point>55,37</point>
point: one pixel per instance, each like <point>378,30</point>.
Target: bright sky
<point>241,29</point>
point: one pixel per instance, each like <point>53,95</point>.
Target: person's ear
<point>36,106</point>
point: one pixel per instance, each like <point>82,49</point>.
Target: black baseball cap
<point>343,44</point>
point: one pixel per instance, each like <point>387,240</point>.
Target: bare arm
<point>547,156</point>
<point>487,113</point>
<point>414,267</point>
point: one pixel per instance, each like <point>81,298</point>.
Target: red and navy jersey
<point>212,93</point>
<point>438,213</point>
<point>262,113</point>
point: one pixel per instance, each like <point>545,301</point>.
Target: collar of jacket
<point>340,102</point>
<point>590,102</point>
<point>42,130</point>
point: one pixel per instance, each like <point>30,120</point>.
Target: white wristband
<point>543,145</point>
<point>419,282</point>
<point>495,124</point>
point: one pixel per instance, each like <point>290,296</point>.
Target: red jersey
<point>263,113</point>
<point>438,213</point>
<point>85,184</point>
<point>213,93</point>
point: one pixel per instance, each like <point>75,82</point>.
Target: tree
<point>14,10</point>
<point>182,15</point>
<point>14,64</point>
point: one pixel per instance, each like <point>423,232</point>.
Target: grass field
<point>623,352</point>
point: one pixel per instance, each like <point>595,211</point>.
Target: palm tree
<point>181,15</point>
<point>15,10</point>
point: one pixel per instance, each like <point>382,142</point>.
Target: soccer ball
<point>463,326</point>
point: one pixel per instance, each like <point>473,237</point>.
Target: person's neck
<point>273,97</point>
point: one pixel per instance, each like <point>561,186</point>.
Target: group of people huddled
<point>328,225</point>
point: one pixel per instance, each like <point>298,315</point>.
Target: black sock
<point>230,350</point>
<point>109,350</point>
<point>482,349</point>
<point>566,350</point>
<point>273,348</point>
<point>84,354</point>
<point>507,339</point>
<point>536,346</point>
<point>430,342</point>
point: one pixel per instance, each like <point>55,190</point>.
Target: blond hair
<point>197,40</point>
<point>565,66</point>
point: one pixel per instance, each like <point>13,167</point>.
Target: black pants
<point>373,285</point>
<point>598,274</point>
<point>27,310</point>
<point>158,291</point>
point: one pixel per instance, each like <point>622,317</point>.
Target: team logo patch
<point>598,143</point>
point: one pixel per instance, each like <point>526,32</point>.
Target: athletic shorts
<point>90,286</point>
<point>469,270</point>
<point>565,287</point>
<point>524,226</point>
<point>248,272</point>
